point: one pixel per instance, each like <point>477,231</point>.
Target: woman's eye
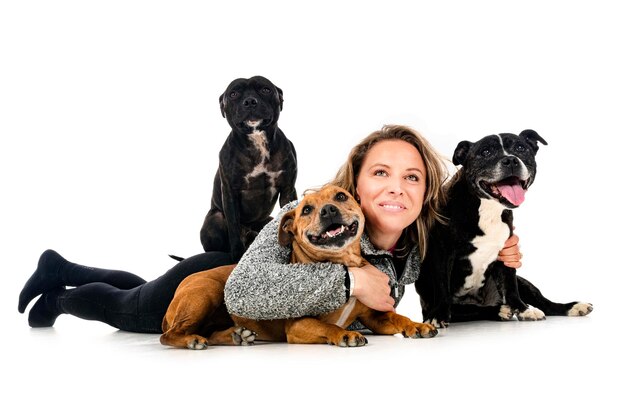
<point>380,172</point>
<point>413,178</point>
<point>306,210</point>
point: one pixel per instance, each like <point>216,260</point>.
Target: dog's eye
<point>486,152</point>
<point>341,196</point>
<point>233,94</point>
<point>306,210</point>
<point>266,90</point>
<point>520,148</point>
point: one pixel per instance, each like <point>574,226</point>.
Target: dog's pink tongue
<point>513,193</point>
<point>335,232</point>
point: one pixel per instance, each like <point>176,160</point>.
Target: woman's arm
<point>264,285</point>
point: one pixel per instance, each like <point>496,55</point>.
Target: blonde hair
<point>436,174</point>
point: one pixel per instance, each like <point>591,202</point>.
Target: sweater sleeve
<point>264,285</point>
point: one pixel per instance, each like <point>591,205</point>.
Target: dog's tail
<point>531,295</point>
<point>177,258</point>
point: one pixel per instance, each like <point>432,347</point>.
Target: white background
<point>110,130</point>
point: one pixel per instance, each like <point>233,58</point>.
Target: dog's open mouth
<point>335,235</point>
<point>511,189</point>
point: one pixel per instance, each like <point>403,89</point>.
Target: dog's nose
<point>510,162</point>
<point>328,211</point>
<point>250,102</point>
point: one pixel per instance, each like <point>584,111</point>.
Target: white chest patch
<point>260,142</point>
<point>487,246</point>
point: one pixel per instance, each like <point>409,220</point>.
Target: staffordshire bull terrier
<point>326,226</point>
<point>257,164</point>
<point>460,278</point>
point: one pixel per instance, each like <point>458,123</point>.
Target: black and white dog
<point>257,164</point>
<point>460,278</point>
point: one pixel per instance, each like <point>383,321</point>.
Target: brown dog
<point>326,226</point>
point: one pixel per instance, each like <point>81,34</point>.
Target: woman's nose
<point>395,186</point>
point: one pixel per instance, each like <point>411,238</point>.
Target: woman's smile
<point>393,206</point>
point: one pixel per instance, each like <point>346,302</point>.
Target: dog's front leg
<point>288,194</point>
<point>231,199</point>
<point>433,286</point>
<point>308,330</point>
<point>513,299</point>
<point>390,323</point>
<point>287,180</point>
<point>444,294</point>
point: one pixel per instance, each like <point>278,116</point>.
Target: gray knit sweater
<point>264,285</point>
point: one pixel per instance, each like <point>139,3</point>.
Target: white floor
<point>565,357</point>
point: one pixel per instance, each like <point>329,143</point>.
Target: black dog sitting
<point>461,279</point>
<point>257,163</point>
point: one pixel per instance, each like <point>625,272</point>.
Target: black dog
<point>461,279</point>
<point>257,163</point>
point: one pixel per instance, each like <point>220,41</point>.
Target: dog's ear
<point>280,97</point>
<point>531,137</point>
<point>460,154</point>
<point>285,230</point>
<point>222,105</point>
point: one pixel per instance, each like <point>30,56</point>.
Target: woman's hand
<point>510,255</point>
<point>371,287</point>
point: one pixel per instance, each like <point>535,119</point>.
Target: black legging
<point>137,309</point>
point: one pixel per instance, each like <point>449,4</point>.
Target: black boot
<point>45,310</point>
<point>55,272</point>
<point>45,278</point>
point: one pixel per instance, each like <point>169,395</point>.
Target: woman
<point>127,302</point>
<point>397,178</point>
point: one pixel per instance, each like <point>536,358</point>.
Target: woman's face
<point>391,186</point>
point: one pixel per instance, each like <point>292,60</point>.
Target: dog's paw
<point>243,337</point>
<point>417,330</point>
<point>531,314</point>
<point>440,324</point>
<point>505,313</point>
<point>197,343</point>
<point>350,339</point>
<point>580,310</point>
